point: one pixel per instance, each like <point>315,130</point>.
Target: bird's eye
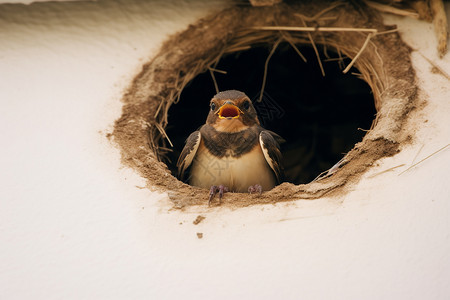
<point>213,106</point>
<point>246,105</point>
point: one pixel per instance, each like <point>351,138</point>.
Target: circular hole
<point>320,117</point>
<point>311,106</point>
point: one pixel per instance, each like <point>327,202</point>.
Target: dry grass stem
<point>288,38</point>
<point>332,170</point>
<point>385,171</point>
<point>332,59</point>
<point>308,30</point>
<point>387,31</point>
<point>314,29</point>
<point>315,50</point>
<point>211,72</point>
<point>163,132</point>
<point>366,42</point>
<point>417,154</point>
<point>159,108</point>
<point>422,160</point>
<point>385,8</point>
<point>321,13</point>
<point>439,69</point>
<point>341,59</point>
<point>237,49</point>
<point>266,65</point>
<point>362,129</point>
<point>217,71</point>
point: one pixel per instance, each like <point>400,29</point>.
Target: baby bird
<point>232,152</point>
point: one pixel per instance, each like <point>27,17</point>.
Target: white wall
<point>75,224</point>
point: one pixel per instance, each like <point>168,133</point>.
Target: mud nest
<point>353,33</point>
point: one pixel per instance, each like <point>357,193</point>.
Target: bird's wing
<point>277,138</point>
<point>272,154</point>
<point>188,153</point>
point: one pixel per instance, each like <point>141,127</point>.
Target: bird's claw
<point>221,189</point>
<point>257,188</point>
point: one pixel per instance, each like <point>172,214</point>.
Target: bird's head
<point>231,111</point>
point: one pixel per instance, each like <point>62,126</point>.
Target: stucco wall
<point>74,223</point>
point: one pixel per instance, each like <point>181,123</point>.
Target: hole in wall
<point>320,117</point>
<point>169,80</point>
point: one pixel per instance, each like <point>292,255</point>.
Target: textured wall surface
<point>75,224</point>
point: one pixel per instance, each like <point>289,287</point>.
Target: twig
<point>317,54</point>
<point>214,80</point>
<point>314,29</point>
<point>332,170</point>
<point>324,45</point>
<point>287,37</point>
<point>237,49</point>
<point>392,10</point>
<point>188,77</point>
<point>332,59</point>
<point>385,171</point>
<point>266,65</point>
<point>211,72</point>
<point>441,71</point>
<point>350,65</point>
<point>341,59</point>
<point>315,49</point>
<point>319,14</point>
<point>387,31</point>
<point>417,154</point>
<point>372,32</point>
<point>218,71</point>
<point>159,108</point>
<point>420,161</point>
<point>163,132</point>
<point>165,149</point>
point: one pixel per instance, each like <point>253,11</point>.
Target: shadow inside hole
<point>319,117</point>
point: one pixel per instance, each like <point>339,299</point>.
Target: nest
<point>352,31</point>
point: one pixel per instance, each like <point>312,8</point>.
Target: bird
<point>232,152</point>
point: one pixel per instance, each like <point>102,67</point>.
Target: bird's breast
<point>237,173</point>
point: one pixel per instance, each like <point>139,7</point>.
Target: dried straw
<point>392,10</point>
<point>324,36</point>
<point>266,65</point>
<point>422,160</point>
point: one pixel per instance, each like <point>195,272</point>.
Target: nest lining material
<point>382,59</point>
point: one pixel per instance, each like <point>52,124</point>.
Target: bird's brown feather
<point>188,153</point>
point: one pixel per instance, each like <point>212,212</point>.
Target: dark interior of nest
<point>320,117</point>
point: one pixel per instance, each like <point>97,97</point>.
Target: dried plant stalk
<point>266,65</point>
<point>316,51</point>
<point>385,8</point>
<point>436,66</point>
<point>313,29</point>
<point>211,72</point>
<point>422,160</point>
<point>321,13</point>
<point>366,42</point>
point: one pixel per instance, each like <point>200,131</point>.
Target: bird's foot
<point>257,188</point>
<point>221,189</point>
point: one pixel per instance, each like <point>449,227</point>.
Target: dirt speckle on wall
<point>384,63</point>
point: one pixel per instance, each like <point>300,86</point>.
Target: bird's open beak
<point>229,111</point>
